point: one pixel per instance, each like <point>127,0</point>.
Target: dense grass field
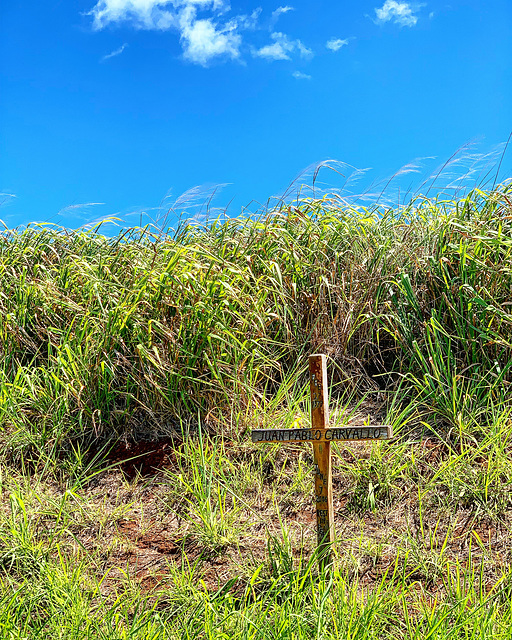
<point>133,504</point>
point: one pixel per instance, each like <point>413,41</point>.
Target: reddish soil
<point>144,458</point>
<point>158,541</point>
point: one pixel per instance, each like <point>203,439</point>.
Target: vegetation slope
<point>187,340</point>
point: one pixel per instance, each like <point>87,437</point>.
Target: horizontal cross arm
<point>376,432</point>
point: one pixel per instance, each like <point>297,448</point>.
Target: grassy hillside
<point>175,345</point>
<point>130,335</point>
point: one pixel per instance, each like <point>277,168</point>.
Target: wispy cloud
<point>282,47</point>
<point>116,52</point>
<point>248,22</point>
<point>205,28</point>
<point>275,51</point>
<point>335,44</point>
<point>301,76</point>
<point>82,205</point>
<point>142,14</point>
<point>6,198</point>
<point>304,51</point>
<point>202,39</point>
<point>401,13</point>
<point>279,12</point>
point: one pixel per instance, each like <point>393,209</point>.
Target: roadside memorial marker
<point>321,436</point>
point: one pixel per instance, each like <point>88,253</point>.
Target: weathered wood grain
<point>322,457</point>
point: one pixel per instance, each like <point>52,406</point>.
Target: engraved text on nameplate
<point>322,435</point>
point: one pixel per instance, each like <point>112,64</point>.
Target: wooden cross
<point>321,435</point>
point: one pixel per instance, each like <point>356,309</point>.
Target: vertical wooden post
<point>322,456</point>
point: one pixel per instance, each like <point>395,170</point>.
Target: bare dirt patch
<point>144,458</point>
<point>143,529</point>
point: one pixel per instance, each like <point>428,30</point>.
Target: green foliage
<point>212,508</point>
<point>375,479</point>
<point>150,333</point>
<point>128,335</point>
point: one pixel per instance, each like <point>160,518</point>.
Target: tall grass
<point>136,334</point>
<point>64,602</point>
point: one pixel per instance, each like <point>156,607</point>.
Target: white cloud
<point>276,51</point>
<point>301,76</point>
<point>116,52</point>
<point>204,30</point>
<point>248,22</point>
<point>150,14</point>
<point>279,12</point>
<point>202,40</point>
<point>334,44</point>
<point>143,14</point>
<point>282,47</point>
<point>401,13</point>
<point>303,50</point>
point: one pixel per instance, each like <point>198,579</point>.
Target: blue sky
<point>120,106</point>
